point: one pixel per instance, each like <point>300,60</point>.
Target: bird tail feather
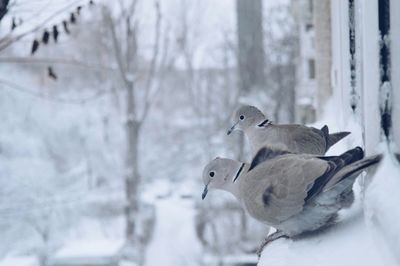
<point>353,170</point>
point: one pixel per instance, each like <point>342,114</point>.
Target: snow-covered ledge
<point>367,234</point>
<point>347,243</point>
<point>382,207</point>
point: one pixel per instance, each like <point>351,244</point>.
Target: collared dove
<point>296,138</point>
<point>294,193</point>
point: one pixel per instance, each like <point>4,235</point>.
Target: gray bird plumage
<point>295,193</point>
<point>293,137</point>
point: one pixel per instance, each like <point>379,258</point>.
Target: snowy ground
<point>19,261</point>
<point>174,241</point>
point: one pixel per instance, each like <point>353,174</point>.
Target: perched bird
<point>45,37</point>
<point>55,33</point>
<point>51,73</point>
<point>294,193</point>
<point>72,18</point>
<point>65,25</point>
<point>295,138</point>
<point>78,10</point>
<point>4,8</point>
<point>35,46</point>
<point>13,24</point>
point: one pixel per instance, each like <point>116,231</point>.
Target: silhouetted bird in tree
<point>51,73</point>
<point>72,18</point>
<point>65,24</point>
<point>3,8</point>
<point>13,24</point>
<point>55,33</point>
<point>35,46</point>
<point>45,37</point>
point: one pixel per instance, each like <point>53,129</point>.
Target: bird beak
<point>205,191</point>
<point>232,128</point>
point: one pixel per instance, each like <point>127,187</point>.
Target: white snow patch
<point>231,259</point>
<point>346,243</point>
<point>175,242</point>
<point>382,201</point>
<point>19,261</point>
<point>90,248</point>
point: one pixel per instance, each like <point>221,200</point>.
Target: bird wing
<point>281,185</point>
<point>264,154</point>
<point>307,139</point>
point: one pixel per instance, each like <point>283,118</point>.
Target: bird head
<point>220,173</point>
<point>245,117</point>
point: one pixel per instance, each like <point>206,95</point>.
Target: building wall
<point>306,99</point>
<point>322,25</point>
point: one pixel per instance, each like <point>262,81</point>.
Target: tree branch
<point>7,40</point>
<point>153,63</point>
<point>47,97</point>
<point>72,62</point>
<point>117,48</point>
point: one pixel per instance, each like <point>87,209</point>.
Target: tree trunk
<point>323,62</point>
<point>251,57</point>
<point>291,93</point>
<point>44,252</point>
<point>132,177</point>
<point>243,225</point>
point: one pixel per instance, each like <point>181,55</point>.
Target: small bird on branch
<point>55,33</point>
<point>51,73</point>
<point>35,47</point>
<point>45,37</point>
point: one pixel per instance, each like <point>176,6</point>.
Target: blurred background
<point>110,109</point>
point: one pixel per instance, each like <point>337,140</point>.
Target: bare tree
<point>12,37</point>
<point>281,47</point>
<point>250,53</point>
<point>139,87</point>
<point>250,44</point>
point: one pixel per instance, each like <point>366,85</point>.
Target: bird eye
<point>241,117</point>
<point>212,174</point>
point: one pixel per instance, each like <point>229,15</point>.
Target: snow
<point>19,261</point>
<point>88,252</point>
<point>126,263</point>
<point>59,160</point>
<point>175,242</point>
<point>382,201</point>
<point>347,243</point>
<point>231,259</point>
<point>90,248</point>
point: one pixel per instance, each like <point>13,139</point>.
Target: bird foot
<point>270,238</point>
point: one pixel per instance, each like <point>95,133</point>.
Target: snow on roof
<point>19,261</point>
<point>90,248</point>
<point>231,259</point>
<point>305,101</point>
<point>127,263</point>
